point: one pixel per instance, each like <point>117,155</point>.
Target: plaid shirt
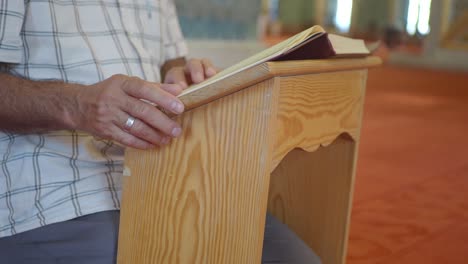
<point>57,176</point>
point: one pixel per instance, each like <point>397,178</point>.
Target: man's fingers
<point>141,130</point>
<point>174,89</point>
<point>177,75</point>
<point>153,93</point>
<point>110,104</point>
<point>196,70</point>
<point>152,117</point>
<point>199,70</point>
<point>210,70</point>
<point>127,139</point>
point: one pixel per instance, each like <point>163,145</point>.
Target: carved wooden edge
<point>268,70</point>
<point>328,219</point>
<point>351,133</point>
<point>345,134</point>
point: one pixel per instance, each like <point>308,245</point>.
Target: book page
<point>259,58</point>
<point>347,46</point>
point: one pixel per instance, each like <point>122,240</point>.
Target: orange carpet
<point>411,199</point>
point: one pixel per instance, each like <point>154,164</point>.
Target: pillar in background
<point>432,42</point>
<point>320,12</point>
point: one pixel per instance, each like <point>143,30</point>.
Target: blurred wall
<point>459,7</point>
<point>299,14</point>
<point>380,14</point>
<point>296,14</point>
<point>218,19</point>
<point>435,55</point>
<point>369,12</point>
<point>224,31</point>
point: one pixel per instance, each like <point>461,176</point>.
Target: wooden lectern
<point>280,136</point>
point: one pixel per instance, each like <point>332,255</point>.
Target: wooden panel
<point>203,198</point>
<point>193,98</point>
<point>315,109</point>
<point>311,192</point>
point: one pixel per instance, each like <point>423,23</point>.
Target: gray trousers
<point>92,239</point>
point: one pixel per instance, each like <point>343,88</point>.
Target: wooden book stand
<point>281,136</point>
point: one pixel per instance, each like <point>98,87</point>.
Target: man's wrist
<point>70,114</point>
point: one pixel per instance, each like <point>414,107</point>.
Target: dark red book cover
<point>315,48</point>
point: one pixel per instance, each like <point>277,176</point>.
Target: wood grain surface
<point>269,70</point>
<point>315,109</point>
<point>204,198</point>
<point>312,192</point>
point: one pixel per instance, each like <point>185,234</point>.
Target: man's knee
<point>281,245</point>
<point>94,236</point>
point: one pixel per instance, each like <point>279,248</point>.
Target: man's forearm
<point>101,109</point>
<point>35,106</point>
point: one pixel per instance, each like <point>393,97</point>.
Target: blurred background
<point>416,32</point>
<point>411,198</point>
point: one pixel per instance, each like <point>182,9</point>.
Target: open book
<point>313,43</point>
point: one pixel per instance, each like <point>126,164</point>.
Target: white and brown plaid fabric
<point>57,176</point>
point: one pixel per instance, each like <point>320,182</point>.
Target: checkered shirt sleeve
<point>60,175</point>
<point>11,21</point>
<point>174,43</point>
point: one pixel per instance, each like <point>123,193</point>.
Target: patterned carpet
<point>411,199</point>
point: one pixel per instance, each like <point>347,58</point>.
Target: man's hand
<point>105,107</point>
<point>195,71</point>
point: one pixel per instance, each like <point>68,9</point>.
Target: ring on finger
<point>129,123</point>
